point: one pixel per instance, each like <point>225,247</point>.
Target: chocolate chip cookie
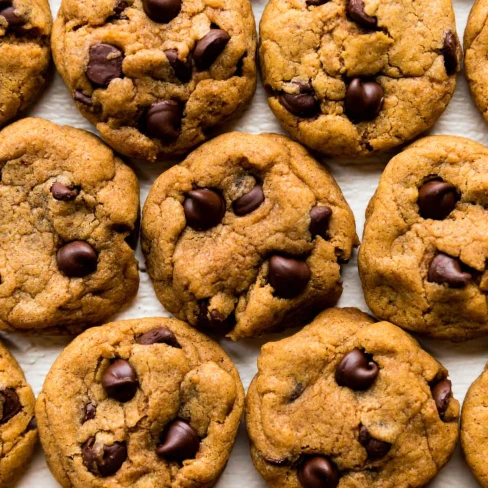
<point>147,403</point>
<point>348,402</point>
<point>69,210</point>
<point>18,427</point>
<point>155,76</point>
<point>425,247</point>
<point>366,75</point>
<point>25,28</point>
<point>247,235</point>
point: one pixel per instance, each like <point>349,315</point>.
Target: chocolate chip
<point>82,98</point>
<point>162,11</point>
<point>9,404</point>
<point>249,202</point>
<point>204,208</point>
<point>163,120</point>
<point>319,221</point>
<point>316,3</point>
<point>209,47</point>
<point>297,391</point>
<point>356,370</point>
<point>9,12</point>
<point>32,425</point>
<point>437,199</point>
<point>288,276</point>
<point>450,53</point>
<point>120,381</point>
<point>318,472</point>
<point>104,64</point>
<point>120,6</point>
<point>178,442</point>
<point>214,321</point>
<point>445,269</point>
<point>355,10</point>
<point>104,462</point>
<point>63,192</point>
<point>375,448</point>
<point>363,100</point>
<point>77,259</point>
<point>442,394</point>
<point>90,412</point>
<point>160,335</point>
<point>182,69</point>
<point>303,105</point>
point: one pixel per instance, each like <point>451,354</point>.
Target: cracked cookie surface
<point>156,77</point>
<point>348,402</point>
<point>68,207</point>
<point>365,77</point>
<point>140,403</point>
<point>423,257</point>
<point>18,428</point>
<point>25,28</point>
<point>257,232</point>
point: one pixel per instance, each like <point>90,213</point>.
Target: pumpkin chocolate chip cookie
<point>425,247</point>
<point>255,238</point>
<point>155,76</point>
<point>348,402</point>
<point>68,217</point>
<point>366,75</point>
<point>148,402</point>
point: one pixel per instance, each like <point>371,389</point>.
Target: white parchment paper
<point>358,182</point>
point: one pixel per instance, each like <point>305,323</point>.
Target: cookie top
<point>18,428</point>
<point>25,27</point>
<point>423,257</point>
<point>257,233</point>
<point>365,76</point>
<point>69,208</point>
<point>350,402</point>
<point>146,402</point>
<point>155,76</point>
<point>474,428</point>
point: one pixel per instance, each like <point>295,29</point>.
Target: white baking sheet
<point>358,182</point>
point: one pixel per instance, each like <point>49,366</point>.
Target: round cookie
<point>257,232</point>
<point>69,210</point>
<point>25,29</point>
<point>156,76</point>
<point>18,428</point>
<point>348,402</point>
<point>140,403</point>
<point>423,257</point>
<point>365,76</point>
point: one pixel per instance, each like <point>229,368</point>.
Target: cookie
<point>348,402</point>
<point>366,76</point>
<point>25,28</point>
<point>69,210</point>
<point>18,428</point>
<point>423,257</point>
<point>257,233</point>
<point>474,431</point>
<point>156,76</point>
<point>147,402</point>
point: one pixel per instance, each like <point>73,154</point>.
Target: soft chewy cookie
<point>25,27</point>
<point>350,403</point>
<point>247,235</point>
<point>155,76</point>
<point>68,217</point>
<point>140,403</point>
<point>425,246</point>
<point>18,427</point>
<point>365,76</point>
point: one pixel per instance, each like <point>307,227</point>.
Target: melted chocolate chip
<point>179,442</point>
<point>297,391</point>
<point>355,10</point>
<point>106,461</point>
<point>316,3</point>
<point>318,472</point>
<point>437,199</point>
<point>442,394</point>
<point>364,100</point>
<point>214,321</point>
<point>9,404</point>
<point>163,120</point>
<point>162,11</point>
<point>120,381</point>
<point>249,202</point>
<point>288,276</point>
<point>77,259</point>
<point>301,104</point>
<point>160,335</point>
<point>120,6</point>
<point>209,48</point>
<point>319,221</point>
<point>90,412</point>
<point>82,98</point>
<point>11,15</point>
<point>204,208</point>
<point>104,64</point>
<point>182,69</point>
<point>356,370</point>
<point>447,270</point>
<point>375,448</point>
<point>450,53</point>
<point>59,191</point>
